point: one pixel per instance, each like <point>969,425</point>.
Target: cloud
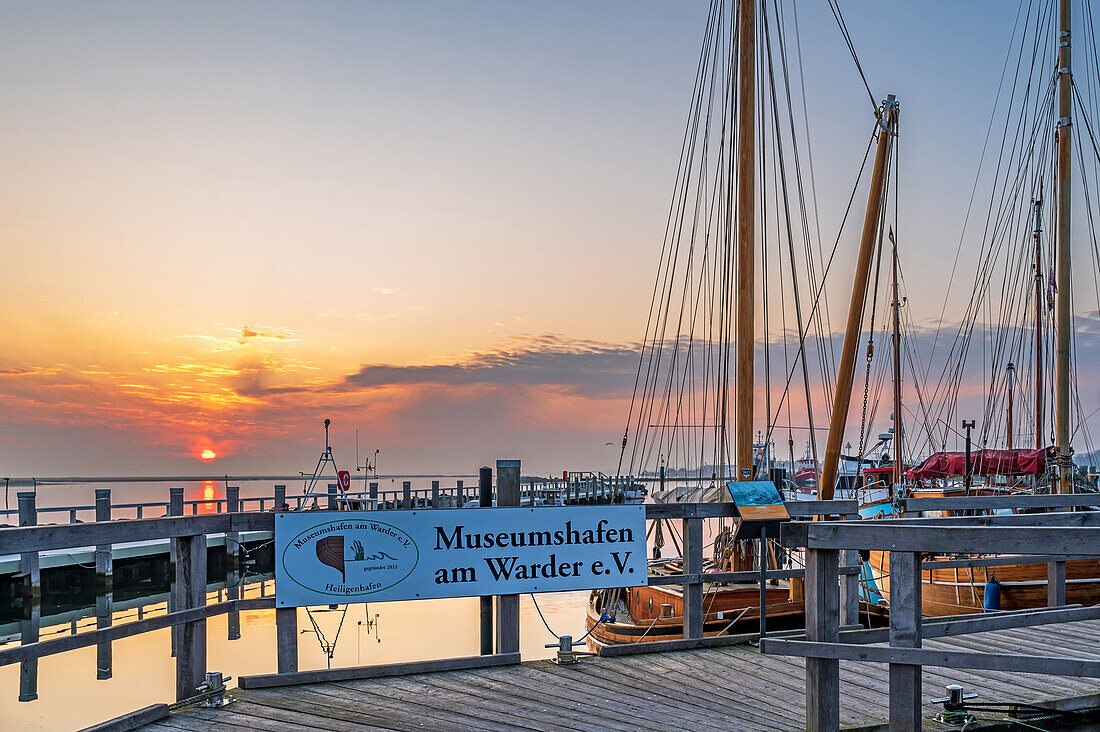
<point>268,335</point>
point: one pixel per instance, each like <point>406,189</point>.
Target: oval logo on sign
<point>345,558</point>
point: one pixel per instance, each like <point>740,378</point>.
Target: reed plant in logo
<point>357,551</point>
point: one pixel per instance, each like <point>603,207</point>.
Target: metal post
<point>435,494</point>
<point>32,601</point>
<point>332,505</point>
<point>104,595</point>
<point>1056,583</point>
<point>822,625</point>
<point>190,592</point>
<point>507,606</point>
<point>905,632</point>
<point>232,562</point>
<point>485,500</point>
<point>280,497</point>
<point>406,495</point>
<point>693,564</point>
<point>286,639</point>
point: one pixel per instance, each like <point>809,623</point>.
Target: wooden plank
<point>289,702</point>
<point>14,540</point>
<point>104,571</point>
<point>822,625</point>
<point>963,503</point>
<point>948,539</point>
<point>1056,583</point>
<point>131,721</point>
<point>905,631</point>
<point>952,625</point>
<point>679,644</point>
<point>1062,666</point>
<point>32,595</point>
<point>262,681</point>
<point>66,643</point>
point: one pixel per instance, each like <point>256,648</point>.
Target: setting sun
<point>208,454</point>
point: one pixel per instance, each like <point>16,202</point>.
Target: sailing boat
<point>1041,468</point>
<point>701,334</point>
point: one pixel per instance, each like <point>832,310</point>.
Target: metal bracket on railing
<point>566,656</point>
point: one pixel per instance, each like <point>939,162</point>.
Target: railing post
<point>406,495</point>
<point>374,495</point>
<point>1056,583</point>
<point>693,564</point>
<point>485,500</point>
<point>104,581</point>
<point>232,563</point>
<point>905,632</point>
<point>280,497</point>
<point>849,584</point>
<point>461,495</point>
<point>822,625</point>
<point>435,494</point>
<point>332,497</point>
<point>190,593</point>
<point>507,606</point>
<point>32,601</point>
<point>175,508</point>
<point>286,638</point>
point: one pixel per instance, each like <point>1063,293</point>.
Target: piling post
<point>507,606</point>
<point>1056,583</point>
<point>485,500</point>
<point>905,632</point>
<point>374,495</point>
<point>406,495</point>
<point>286,639</point>
<point>175,508</point>
<point>435,494</point>
<point>233,563</point>
<point>461,492</point>
<point>32,601</point>
<point>280,497</point>
<point>332,497</point>
<point>104,581</point>
<point>190,593</point>
<point>822,625</point>
<point>693,564</point>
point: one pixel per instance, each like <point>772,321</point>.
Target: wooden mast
<point>899,465</point>
<point>746,234</point>
<point>843,396</point>
<point>1038,324</point>
<point>1062,305</point>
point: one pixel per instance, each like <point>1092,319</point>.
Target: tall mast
<point>1039,439</point>
<point>1011,384</point>
<point>888,121</point>
<point>746,234</point>
<point>898,464</point>
<point>1062,305</point>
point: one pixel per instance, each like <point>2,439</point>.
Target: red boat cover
<point>983,462</point>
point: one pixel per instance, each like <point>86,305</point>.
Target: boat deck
<point>708,689</point>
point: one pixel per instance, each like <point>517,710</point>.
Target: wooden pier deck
<point>707,689</point>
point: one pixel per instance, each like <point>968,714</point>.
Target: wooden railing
<point>189,610</point>
<point>1036,537</point>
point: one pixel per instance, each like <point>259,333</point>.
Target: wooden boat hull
<point>960,591</point>
<point>722,605</point>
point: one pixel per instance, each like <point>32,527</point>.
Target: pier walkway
<point>709,689</point>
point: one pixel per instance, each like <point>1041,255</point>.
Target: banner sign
<point>325,557</point>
